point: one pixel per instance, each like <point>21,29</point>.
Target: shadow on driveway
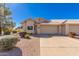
<point>42,35</point>
<point>14,52</point>
<point>45,35</point>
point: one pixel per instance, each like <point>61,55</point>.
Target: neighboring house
<point>54,26</point>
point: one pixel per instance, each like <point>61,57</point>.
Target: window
<point>30,27</point>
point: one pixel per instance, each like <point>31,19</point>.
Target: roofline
<point>65,20</point>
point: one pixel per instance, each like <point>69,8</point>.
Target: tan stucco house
<point>54,26</point>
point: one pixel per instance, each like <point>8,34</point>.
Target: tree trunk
<point>1,31</point>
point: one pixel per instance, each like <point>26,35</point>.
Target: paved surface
<point>29,47</point>
<point>59,45</point>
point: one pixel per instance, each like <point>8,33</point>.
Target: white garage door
<point>48,29</point>
<point>74,28</point>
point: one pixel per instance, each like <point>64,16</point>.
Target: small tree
<point>6,20</point>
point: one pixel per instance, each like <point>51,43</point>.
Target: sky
<point>22,11</point>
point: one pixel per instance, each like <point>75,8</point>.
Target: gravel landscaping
<point>29,47</point>
<point>25,47</point>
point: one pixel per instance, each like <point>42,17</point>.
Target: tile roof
<point>65,21</point>
<point>73,21</point>
<point>55,21</point>
<point>58,21</point>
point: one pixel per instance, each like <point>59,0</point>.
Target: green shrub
<point>8,42</point>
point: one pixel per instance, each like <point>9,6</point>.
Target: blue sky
<point>22,11</point>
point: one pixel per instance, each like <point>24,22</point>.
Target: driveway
<point>59,45</point>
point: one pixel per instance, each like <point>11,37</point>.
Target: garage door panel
<point>74,29</point>
<point>48,29</point>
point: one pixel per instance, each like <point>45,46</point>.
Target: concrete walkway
<point>59,45</point>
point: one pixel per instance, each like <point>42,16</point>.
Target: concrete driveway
<point>59,45</point>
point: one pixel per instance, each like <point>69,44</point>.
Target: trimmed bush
<point>8,42</point>
<point>72,34</point>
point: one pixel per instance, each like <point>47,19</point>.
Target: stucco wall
<point>30,23</point>
<point>62,29</point>
<point>66,29</point>
<point>26,24</point>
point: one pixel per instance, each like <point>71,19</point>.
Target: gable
<point>39,20</point>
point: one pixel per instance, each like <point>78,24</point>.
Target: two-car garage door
<point>48,29</point>
<point>44,29</point>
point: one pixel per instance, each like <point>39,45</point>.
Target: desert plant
<point>8,42</point>
<point>72,34</point>
<point>6,31</point>
<point>22,34</point>
<point>27,36</point>
<point>14,31</point>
